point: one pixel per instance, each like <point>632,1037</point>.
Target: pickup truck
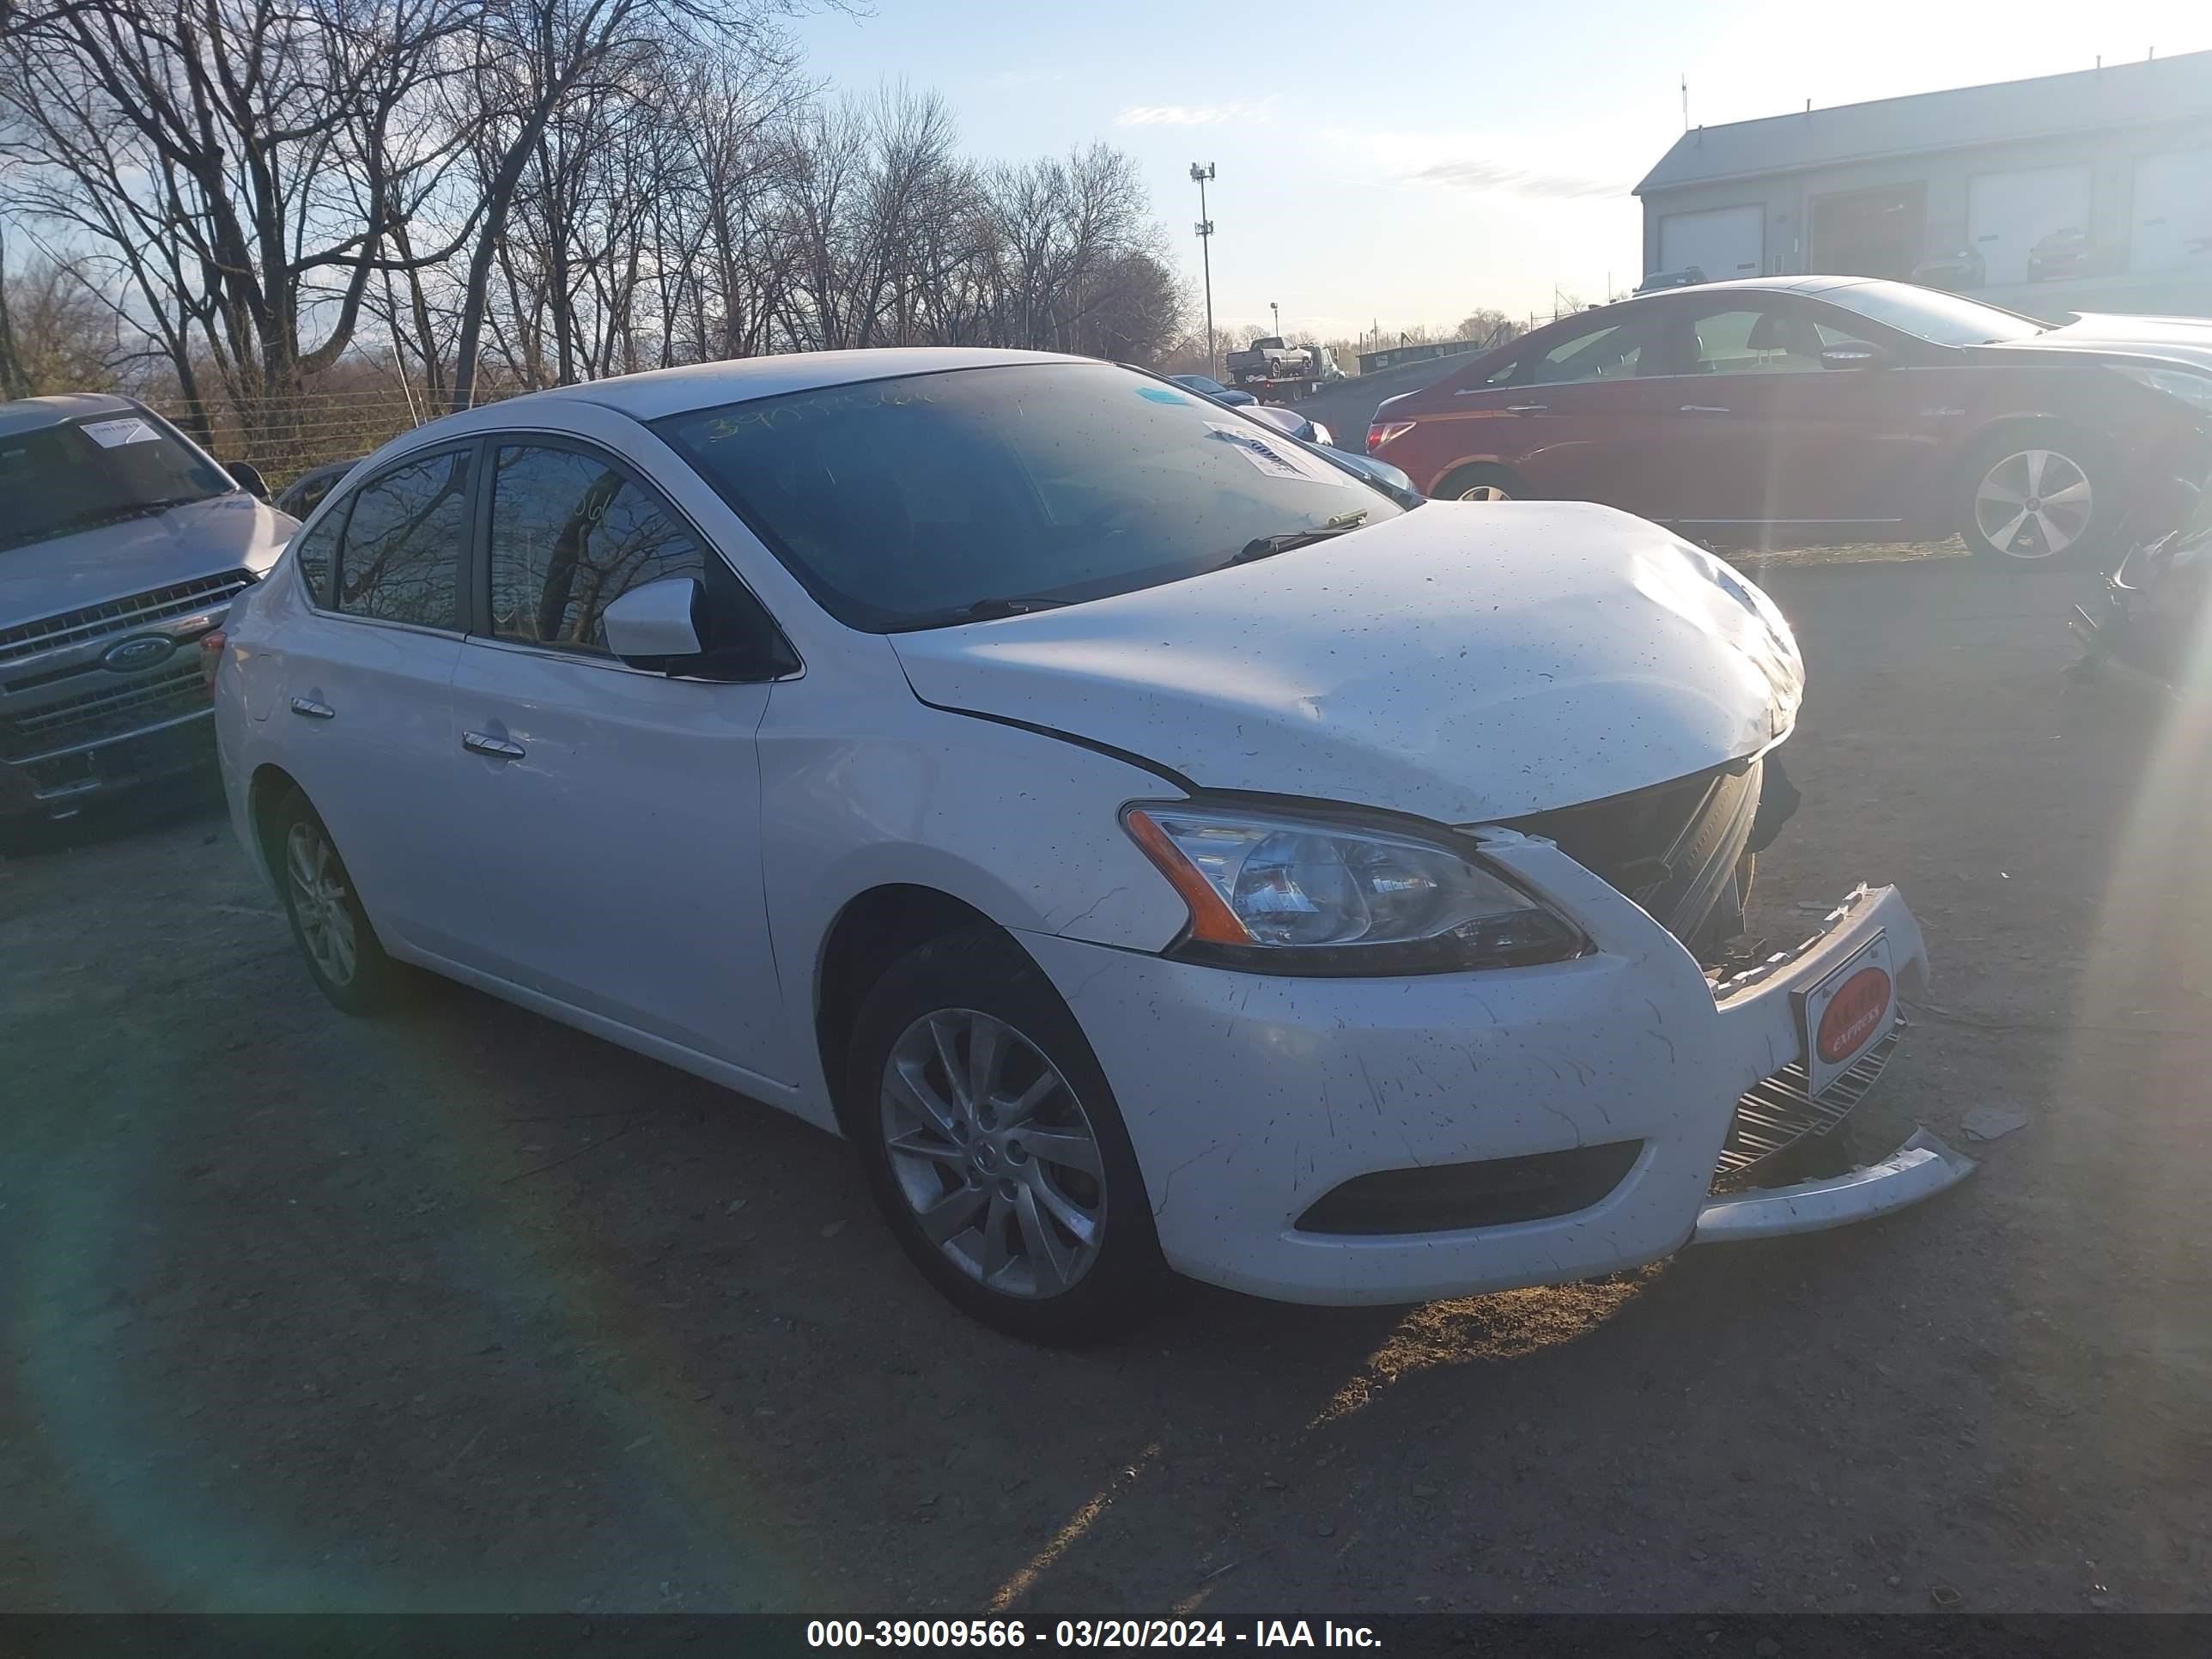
<point>1274,371</point>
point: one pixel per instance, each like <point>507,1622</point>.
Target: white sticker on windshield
<point>1257,450</point>
<point>114,435</point>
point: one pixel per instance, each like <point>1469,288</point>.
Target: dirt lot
<point>468,1310</point>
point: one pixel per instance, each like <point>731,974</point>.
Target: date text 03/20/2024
<point>1085,1633</point>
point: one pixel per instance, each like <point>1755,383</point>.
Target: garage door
<point>1723,243</point>
<point>2173,211</point>
<point>2008,212</point>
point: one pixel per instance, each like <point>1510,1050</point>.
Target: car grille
<point>1777,1112</point>
<point>1671,847</point>
<point>120,616</point>
<point>111,712</point>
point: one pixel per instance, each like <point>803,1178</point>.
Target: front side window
<point>60,480</point>
<point>933,499</point>
<point>1752,341</point>
<point>570,536</point>
<point>1612,353</point>
<point>406,533</point>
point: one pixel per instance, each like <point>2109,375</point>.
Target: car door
<point>1581,412</point>
<point>363,688</point>
<point>613,813</point>
<point>1766,434</point>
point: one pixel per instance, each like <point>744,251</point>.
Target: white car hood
<point>1465,662</point>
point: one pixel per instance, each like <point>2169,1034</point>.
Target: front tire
<point>994,1147</point>
<point>343,956</point>
<point>1482,483</point>
<point>2037,501</point>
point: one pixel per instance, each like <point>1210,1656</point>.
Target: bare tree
<point>465,198</point>
<point>534,58</point>
<point>242,163</point>
<point>55,335</point>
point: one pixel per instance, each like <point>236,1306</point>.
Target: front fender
<point>1022,827</point>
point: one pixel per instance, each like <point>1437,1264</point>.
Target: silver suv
<point>121,543</point>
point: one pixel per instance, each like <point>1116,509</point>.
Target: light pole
<point>1199,175</point>
<point>1278,310</point>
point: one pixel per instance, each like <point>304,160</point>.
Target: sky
<point>1412,164</point>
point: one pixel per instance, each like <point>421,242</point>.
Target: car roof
<point>1673,296</point>
<point>1764,284</point>
<point>662,391</point>
<point>29,413</point>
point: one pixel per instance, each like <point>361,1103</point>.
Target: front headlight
<point>2195,390</point>
<point>1287,894</point>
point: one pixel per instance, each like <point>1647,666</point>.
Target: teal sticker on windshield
<point>1160,394</point>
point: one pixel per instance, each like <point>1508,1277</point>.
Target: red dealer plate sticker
<point>1847,1012</point>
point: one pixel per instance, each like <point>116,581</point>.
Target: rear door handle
<point>482,742</point>
<point>313,710</point>
<point>1703,409</point>
<point>1525,408</point>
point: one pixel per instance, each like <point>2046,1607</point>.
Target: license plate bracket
<point>1846,1011</point>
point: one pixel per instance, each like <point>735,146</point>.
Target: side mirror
<point>657,625</point>
<point>682,626</point>
<point>249,478</point>
<point>1854,354</point>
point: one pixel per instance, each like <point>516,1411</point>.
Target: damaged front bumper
<point>1923,1167</point>
<point>1391,1141</point>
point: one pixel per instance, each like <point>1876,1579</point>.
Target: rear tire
<point>1020,1200</point>
<point>2037,499</point>
<point>343,956</point>
<point>1482,483</point>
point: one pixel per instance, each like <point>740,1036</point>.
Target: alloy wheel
<point>1484,493</point>
<point>321,902</point>
<point>993,1153</point>
<point>2033,504</point>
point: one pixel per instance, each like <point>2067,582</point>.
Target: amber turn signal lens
<point>1211,919</point>
<point>211,644</point>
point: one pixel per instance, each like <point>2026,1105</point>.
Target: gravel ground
<point>467,1310</point>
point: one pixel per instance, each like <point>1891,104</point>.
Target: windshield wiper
<point>1261,547</point>
<point>992,609</point>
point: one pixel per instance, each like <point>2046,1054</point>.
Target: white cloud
<point>1188,115</point>
<point>1479,175</point>
<point>1484,164</point>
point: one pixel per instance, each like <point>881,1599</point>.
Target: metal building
<point>2085,191</point>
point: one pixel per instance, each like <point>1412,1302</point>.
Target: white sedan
<point>1152,844</point>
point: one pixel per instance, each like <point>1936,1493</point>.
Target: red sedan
<point>1812,409</point>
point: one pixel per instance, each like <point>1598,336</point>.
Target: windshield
<point>1942,318</point>
<point>57,480</point>
<point>936,498</point>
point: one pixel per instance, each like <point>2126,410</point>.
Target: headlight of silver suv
<point>1289,894</point>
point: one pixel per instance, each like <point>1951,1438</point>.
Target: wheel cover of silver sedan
<point>2034,505</point>
<point>319,900</point>
<point>994,1153</point>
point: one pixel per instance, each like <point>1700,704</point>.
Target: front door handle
<point>312,710</point>
<point>482,742</point>
<point>1525,408</point>
<point>1703,409</point>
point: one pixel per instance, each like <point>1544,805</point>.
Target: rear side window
<point>404,535</point>
<point>314,551</point>
<point>1614,352</point>
<point>570,536</point>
